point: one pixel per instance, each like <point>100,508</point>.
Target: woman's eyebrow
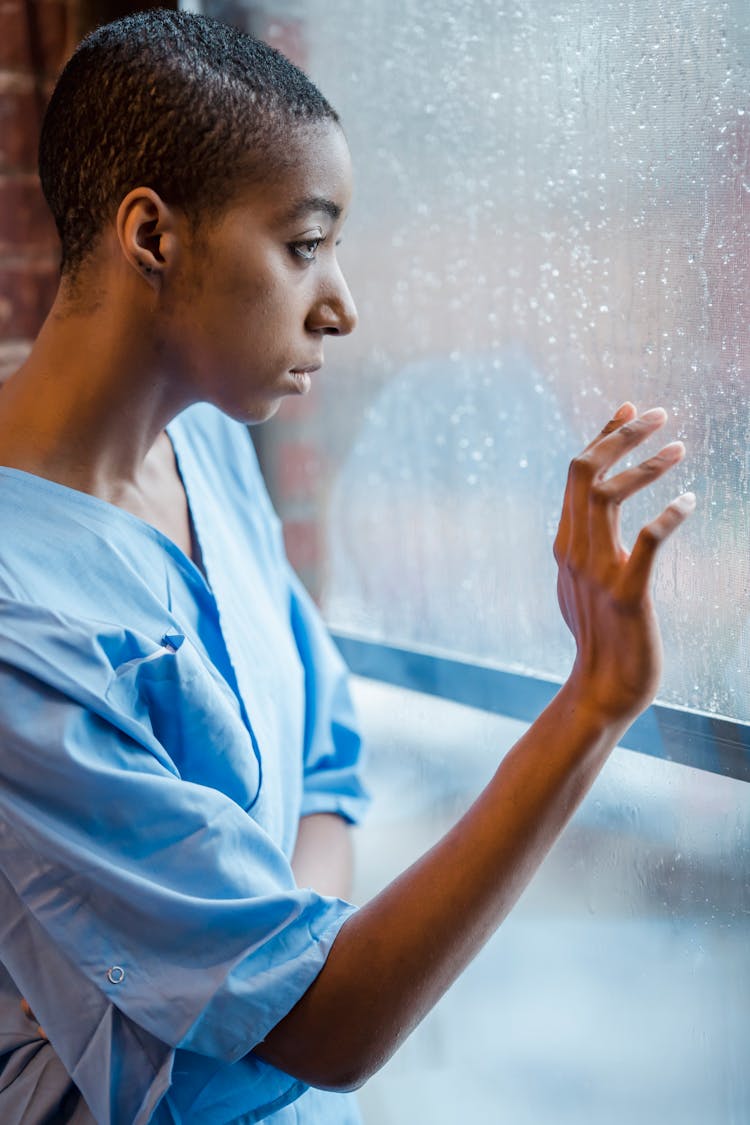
<point>313,203</point>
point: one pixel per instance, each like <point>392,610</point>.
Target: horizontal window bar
<point>693,738</point>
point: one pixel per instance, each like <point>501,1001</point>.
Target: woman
<point>179,764</point>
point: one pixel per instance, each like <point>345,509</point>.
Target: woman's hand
<point>604,592</point>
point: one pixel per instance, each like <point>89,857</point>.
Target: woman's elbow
<point>338,1068</point>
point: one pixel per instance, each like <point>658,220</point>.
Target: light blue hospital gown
<point>161,733</point>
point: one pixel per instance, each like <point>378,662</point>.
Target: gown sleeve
<point>333,758</point>
<point>140,911</point>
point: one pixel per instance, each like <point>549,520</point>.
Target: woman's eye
<point>307,249</point>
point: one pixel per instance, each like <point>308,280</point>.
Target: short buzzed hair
<point>173,101</point>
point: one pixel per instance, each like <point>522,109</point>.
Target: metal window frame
<point>676,734</point>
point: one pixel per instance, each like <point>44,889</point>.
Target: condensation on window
<point>552,214</point>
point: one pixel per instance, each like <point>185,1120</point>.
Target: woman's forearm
<point>394,959</point>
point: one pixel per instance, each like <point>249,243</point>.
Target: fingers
<point>592,501</point>
<point>608,495</point>
<point>623,414</point>
<point>651,538</point>
<point>613,443</point>
<point>622,432</point>
<point>625,484</point>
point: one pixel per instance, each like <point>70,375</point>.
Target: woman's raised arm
<point>396,956</point>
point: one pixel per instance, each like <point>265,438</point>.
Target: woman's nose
<point>335,314</point>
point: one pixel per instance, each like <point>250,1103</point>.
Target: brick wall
<point>35,38</point>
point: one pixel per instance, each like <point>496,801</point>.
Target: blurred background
<point>552,214</point>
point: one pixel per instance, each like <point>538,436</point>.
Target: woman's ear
<point>147,232</point>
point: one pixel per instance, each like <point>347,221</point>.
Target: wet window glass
<point>551,214</point>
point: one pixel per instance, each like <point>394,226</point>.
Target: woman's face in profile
<point>260,288</point>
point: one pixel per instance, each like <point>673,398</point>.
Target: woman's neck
<point>89,403</point>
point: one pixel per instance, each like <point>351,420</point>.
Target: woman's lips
<point>301,377</point>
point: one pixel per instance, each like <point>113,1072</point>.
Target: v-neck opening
<point>197,557</point>
<point>183,471</point>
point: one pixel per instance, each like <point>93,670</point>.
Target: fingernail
<point>622,411</point>
<point>685,503</point>
<point>672,451</point>
<point>657,414</point>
